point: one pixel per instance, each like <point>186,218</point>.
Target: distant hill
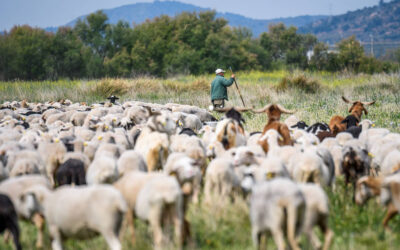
<point>381,21</point>
<point>139,12</point>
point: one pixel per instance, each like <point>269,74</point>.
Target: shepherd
<point>219,91</point>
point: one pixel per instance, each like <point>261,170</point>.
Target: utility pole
<point>372,44</point>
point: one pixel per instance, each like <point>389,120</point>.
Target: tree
<point>351,53</point>
<point>92,32</point>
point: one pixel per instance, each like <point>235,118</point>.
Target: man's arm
<point>229,82</point>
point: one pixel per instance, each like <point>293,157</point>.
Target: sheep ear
<point>344,121</point>
<point>295,126</point>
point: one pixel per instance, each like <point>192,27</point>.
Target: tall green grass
<point>227,226</point>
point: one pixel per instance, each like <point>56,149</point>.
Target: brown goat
<point>274,112</point>
<point>356,110</point>
<point>326,134</point>
<point>369,186</point>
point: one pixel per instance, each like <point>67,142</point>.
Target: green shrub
<point>107,87</point>
<point>299,81</point>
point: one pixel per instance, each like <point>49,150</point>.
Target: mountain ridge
<point>139,12</point>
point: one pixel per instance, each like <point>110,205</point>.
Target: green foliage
<point>108,87</point>
<point>299,81</point>
<point>190,43</point>
<point>351,53</point>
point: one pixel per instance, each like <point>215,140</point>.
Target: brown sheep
<point>356,110</point>
<point>274,112</point>
<point>388,189</point>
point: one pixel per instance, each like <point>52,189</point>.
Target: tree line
<point>190,43</point>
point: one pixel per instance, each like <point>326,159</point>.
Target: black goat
<point>355,131</point>
<point>9,219</point>
<point>71,172</point>
<point>350,121</point>
<point>235,115</point>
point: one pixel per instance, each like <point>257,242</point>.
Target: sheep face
<point>363,192</point>
<point>162,123</point>
<point>244,156</point>
<point>353,164</point>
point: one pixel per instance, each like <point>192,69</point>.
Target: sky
<point>46,13</point>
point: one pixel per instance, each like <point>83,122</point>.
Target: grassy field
<point>227,226</point>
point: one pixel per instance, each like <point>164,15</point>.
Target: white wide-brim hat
<point>219,71</point>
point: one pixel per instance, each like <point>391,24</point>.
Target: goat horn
<point>368,103</point>
<point>226,109</point>
<point>346,100</point>
<point>286,111</point>
<point>262,110</point>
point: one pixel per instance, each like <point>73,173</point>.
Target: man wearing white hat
<point>219,91</point>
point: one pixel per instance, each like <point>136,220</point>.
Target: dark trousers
<point>218,103</point>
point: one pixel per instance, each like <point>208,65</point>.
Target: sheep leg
<point>15,233</point>
<point>291,226</point>
<point>112,240</point>
<point>177,219</point>
<point>308,229</point>
<point>256,235</point>
<point>56,236</point>
<point>278,238</point>
<point>131,221</point>
<point>38,220</point>
<point>155,224</point>
<point>328,233</point>
<point>392,211</point>
<point>6,236</point>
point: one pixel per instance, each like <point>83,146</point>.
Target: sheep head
<point>366,188</point>
<point>274,111</point>
<point>357,107</point>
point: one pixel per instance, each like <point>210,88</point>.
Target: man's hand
<point>233,76</point>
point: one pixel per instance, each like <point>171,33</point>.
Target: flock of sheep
<point>86,170</point>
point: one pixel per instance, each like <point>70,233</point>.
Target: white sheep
<point>24,167</point>
<point>220,180</point>
<point>309,167</point>
<point>78,212</point>
<point>154,147</point>
<point>131,160</point>
<point>103,169</point>
<point>52,154</point>
<point>149,196</point>
<point>14,188</point>
<point>273,204</point>
<point>187,173</point>
<point>317,213</point>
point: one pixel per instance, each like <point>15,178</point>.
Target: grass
<point>227,226</point>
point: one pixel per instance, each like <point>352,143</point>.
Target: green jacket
<point>218,88</point>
